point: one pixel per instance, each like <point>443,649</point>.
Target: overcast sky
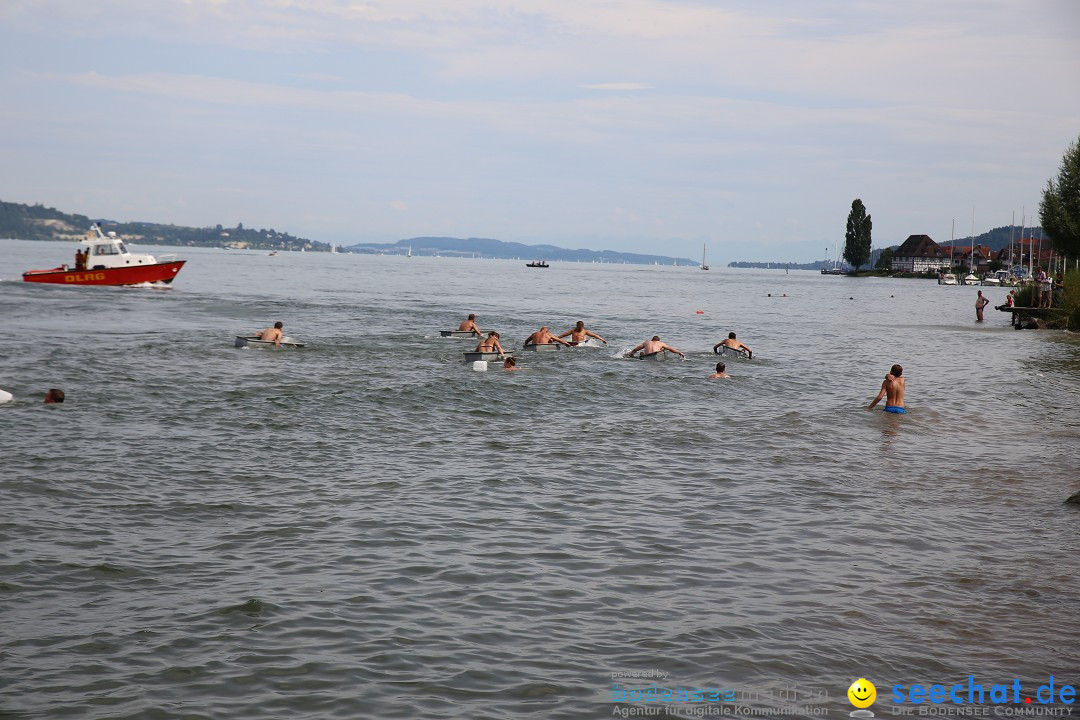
<point>636,125</point>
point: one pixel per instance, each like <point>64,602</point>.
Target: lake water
<point>367,527</point>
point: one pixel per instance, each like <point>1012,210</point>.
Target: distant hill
<point>499,249</point>
<point>37,222</point>
<point>816,265</point>
<point>998,238</point>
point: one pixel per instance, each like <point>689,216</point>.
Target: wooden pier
<point>1026,317</point>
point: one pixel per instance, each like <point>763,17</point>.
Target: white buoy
<point>479,365</point>
<point>5,396</point>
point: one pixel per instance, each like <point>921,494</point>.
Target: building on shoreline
<point>920,254</point>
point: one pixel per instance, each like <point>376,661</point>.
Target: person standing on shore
<point>980,303</point>
<point>892,389</point>
<point>1037,287</point>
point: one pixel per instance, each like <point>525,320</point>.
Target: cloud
<point>617,86</point>
<point>398,205</point>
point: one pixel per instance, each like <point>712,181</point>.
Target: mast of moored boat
<point>971,257</point>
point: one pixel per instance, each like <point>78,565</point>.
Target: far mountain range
<point>499,249</point>
<point>37,222</point>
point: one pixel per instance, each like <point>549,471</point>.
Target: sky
<point>652,126</point>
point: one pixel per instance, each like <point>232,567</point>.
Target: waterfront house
<point>920,254</point>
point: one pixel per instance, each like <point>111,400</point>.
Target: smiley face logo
<point>862,693</point>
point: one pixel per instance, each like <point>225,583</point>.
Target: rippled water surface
<point>367,527</point>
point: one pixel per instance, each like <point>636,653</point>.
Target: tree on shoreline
<point>1059,210</point>
<point>857,247</point>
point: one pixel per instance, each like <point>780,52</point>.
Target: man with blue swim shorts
<point>892,389</point>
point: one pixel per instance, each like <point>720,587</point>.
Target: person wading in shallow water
<point>892,388</point>
<point>980,303</point>
<point>720,368</point>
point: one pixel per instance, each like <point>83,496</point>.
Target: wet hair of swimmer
<point>54,395</point>
<point>472,316</point>
<point>655,337</point>
<point>278,325</point>
<point>720,367</point>
<point>731,336</point>
<point>580,324</point>
<point>896,371</point>
<point>510,362</point>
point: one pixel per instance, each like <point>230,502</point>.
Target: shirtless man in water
<point>720,371</point>
<point>579,334</point>
<point>650,347</point>
<point>543,336</point>
<point>491,344</point>
<point>273,333</point>
<point>892,389</point>
<point>470,325</point>
<point>734,344</point>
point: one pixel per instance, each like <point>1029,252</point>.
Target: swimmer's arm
<point>878,398</point>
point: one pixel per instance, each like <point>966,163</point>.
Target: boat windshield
<point>108,249</point>
<point>121,246</point>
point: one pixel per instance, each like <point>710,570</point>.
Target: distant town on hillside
<point>996,240</point>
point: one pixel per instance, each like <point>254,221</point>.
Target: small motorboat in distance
<point>108,262</point>
<point>254,342</point>
<point>537,264</point>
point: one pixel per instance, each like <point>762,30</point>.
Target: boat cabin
<point>108,251</point>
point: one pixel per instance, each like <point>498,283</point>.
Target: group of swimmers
<point>892,388</point>
<point>579,335</point>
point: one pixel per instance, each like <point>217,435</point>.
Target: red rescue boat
<point>107,261</point>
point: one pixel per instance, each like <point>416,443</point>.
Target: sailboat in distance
<point>703,265</point>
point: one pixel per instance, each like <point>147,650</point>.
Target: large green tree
<point>857,247</point>
<point>1059,210</point>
